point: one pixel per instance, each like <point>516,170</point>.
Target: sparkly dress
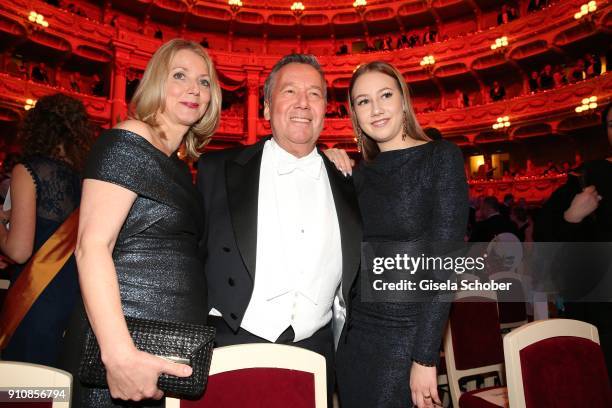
<point>417,194</point>
<point>156,255</point>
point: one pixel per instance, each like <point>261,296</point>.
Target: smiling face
<point>187,89</point>
<point>296,109</point>
<point>378,105</point>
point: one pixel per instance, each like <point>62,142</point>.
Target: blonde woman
<point>410,189</point>
<point>140,223</point>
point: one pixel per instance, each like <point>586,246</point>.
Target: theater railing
<point>88,38</point>
<point>15,91</point>
<point>534,189</point>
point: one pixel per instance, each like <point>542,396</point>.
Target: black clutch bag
<point>183,343</point>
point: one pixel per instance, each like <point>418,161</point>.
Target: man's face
<point>297,108</point>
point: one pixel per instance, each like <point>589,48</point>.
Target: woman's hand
<point>133,374</point>
<point>424,386</point>
<point>582,205</point>
<point>342,161</point>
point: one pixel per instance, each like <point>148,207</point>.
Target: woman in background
<point>45,190</point>
<point>140,224</point>
<point>410,189</point>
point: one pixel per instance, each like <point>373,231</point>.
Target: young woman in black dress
<point>410,189</point>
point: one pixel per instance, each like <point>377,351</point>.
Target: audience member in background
<point>204,43</point>
<point>506,14</point>
<point>492,222</point>
<point>546,78</point>
<point>559,78</point>
<point>45,189</point>
<point>433,133</point>
<point>74,81</point>
<point>402,41</point>
<point>342,111</point>
<point>462,99</point>
<point>534,82</point>
<point>578,72</point>
<point>506,205</point>
<point>343,50</point>
<point>39,73</point>
<point>593,64</point>
<point>131,85</point>
<point>581,211</point>
<point>23,70</point>
<point>97,87</point>
<point>524,225</point>
<point>430,35</point>
<point>497,92</point>
<point>389,43</point>
<point>536,5</point>
<point>159,34</point>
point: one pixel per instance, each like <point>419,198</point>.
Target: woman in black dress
<point>410,189</point>
<point>45,189</point>
<point>140,223</point>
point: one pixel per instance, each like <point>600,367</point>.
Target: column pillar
<point>121,64</point>
<point>118,105</point>
<point>252,105</point>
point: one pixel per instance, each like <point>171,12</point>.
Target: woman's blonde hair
<point>150,96</point>
<point>369,148</point>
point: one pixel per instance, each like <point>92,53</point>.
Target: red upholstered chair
<point>511,303</point>
<point>25,375</point>
<point>262,375</point>
<point>473,346</point>
<point>556,363</point>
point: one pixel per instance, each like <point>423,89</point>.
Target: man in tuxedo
<point>282,224</point>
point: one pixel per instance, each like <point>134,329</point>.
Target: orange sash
<point>36,275</point>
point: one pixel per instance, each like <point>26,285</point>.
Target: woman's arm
<point>131,374</point>
<point>18,242</point>
<point>448,224</point>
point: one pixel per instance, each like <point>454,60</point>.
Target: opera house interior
<point>519,87</point>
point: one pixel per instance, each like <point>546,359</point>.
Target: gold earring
<point>359,139</point>
<point>405,126</point>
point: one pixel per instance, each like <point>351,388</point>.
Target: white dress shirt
<point>299,256</point>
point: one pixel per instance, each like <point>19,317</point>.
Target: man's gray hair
<point>307,59</point>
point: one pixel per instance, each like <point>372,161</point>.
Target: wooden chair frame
<point>267,355</point>
<point>529,334</point>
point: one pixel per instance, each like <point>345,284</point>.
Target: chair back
<point>25,375</point>
<point>511,303</point>
<point>556,363</point>
<point>473,343</point>
<point>262,374</point>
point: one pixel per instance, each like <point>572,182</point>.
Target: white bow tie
<point>311,166</point>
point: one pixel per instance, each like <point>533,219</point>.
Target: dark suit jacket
<point>229,183</point>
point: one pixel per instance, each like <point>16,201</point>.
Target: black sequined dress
<point>156,256</point>
<point>417,194</point>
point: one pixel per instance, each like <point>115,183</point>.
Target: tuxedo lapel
<point>242,183</point>
<point>349,220</point>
